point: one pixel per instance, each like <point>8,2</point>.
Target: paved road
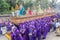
<point>52,36</point>
<point>3,38</point>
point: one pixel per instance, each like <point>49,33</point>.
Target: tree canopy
<point>7,4</point>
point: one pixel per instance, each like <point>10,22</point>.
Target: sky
<point>58,1</point>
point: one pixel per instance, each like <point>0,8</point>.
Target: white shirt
<point>4,30</point>
<point>13,14</point>
<point>57,24</point>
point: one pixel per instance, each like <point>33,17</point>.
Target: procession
<point>32,22</point>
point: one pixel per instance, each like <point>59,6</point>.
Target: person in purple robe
<point>8,24</point>
<point>27,30</point>
<point>23,32</point>
<point>47,21</point>
<point>12,36</point>
<point>49,26</point>
<point>15,34</point>
<point>38,28</point>
<point>39,33</point>
<point>54,16</point>
<point>30,32</point>
<point>34,33</point>
<point>12,33</point>
<point>45,31</point>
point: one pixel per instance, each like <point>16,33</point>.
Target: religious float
<point>21,19</point>
<point>30,24</point>
<point>28,19</point>
<point>31,19</point>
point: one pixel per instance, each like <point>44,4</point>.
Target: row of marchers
<point>36,29</point>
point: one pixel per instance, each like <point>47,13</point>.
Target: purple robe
<point>27,30</point>
<point>1,24</point>
<point>15,35</point>
<point>23,32</point>
<point>34,34</point>
<point>18,37</point>
<point>39,33</point>
<point>9,27</point>
<point>12,36</point>
<point>45,31</point>
<point>30,32</point>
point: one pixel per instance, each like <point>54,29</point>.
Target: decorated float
<point>29,24</point>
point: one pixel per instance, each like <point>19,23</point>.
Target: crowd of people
<point>56,26</point>
<point>32,30</point>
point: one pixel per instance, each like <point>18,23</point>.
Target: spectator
<point>54,24</point>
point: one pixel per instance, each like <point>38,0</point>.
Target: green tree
<point>53,3</point>
<point>4,6</point>
<point>44,4</point>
